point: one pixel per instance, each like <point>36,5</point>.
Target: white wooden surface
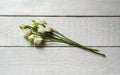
<point>95,31</point>
<point>82,30</point>
<point>60,7</point>
<point>58,61</point>
<point>17,59</point>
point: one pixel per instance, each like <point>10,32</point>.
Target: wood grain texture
<point>89,31</point>
<point>57,61</point>
<point>60,7</point>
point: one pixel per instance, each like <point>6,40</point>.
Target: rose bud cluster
<point>39,28</point>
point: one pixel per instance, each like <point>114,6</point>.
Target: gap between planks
<point>58,46</point>
<point>59,15</point>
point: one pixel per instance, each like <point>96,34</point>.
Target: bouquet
<point>39,32</point>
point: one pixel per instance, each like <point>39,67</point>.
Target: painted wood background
<point>60,7</point>
<point>94,23</point>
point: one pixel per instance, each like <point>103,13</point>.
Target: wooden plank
<point>57,61</point>
<point>60,7</point>
<point>89,31</point>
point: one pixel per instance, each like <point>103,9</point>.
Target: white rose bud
<point>27,32</point>
<point>41,30</point>
<point>32,37</point>
<point>48,28</point>
<point>42,21</point>
<point>38,41</point>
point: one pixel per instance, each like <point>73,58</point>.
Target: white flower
<point>32,37</point>
<point>41,29</point>
<point>27,32</point>
<point>48,28</point>
<point>38,41</point>
<point>42,21</point>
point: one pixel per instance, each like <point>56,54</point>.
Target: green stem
<point>84,47</point>
<point>70,42</point>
